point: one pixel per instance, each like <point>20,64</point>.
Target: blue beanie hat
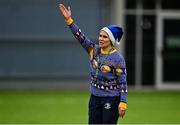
<point>115,33</point>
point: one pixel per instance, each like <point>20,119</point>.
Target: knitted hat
<point>115,33</point>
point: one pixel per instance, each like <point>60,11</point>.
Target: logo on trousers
<point>107,105</point>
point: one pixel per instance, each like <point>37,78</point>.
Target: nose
<point>100,38</point>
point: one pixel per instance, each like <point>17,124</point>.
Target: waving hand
<point>66,12</point>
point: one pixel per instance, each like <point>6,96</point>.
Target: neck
<point>106,50</point>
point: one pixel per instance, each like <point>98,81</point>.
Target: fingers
<point>66,12</point>
<point>121,113</point>
<point>69,9</point>
<point>62,7</point>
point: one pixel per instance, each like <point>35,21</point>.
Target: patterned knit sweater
<point>107,69</point>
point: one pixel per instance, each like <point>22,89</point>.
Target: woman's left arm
<point>122,80</point>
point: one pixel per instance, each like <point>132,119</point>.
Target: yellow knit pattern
<point>123,105</point>
<point>69,21</point>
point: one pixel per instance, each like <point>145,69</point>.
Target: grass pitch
<point>71,107</point>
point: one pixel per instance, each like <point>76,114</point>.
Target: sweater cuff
<point>69,21</point>
<point>123,105</point>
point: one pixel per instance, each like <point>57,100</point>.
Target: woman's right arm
<point>83,40</point>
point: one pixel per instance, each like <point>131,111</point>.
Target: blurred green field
<point>71,107</point>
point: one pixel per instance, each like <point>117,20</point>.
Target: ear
<point>111,43</point>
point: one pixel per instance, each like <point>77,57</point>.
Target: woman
<point>108,84</point>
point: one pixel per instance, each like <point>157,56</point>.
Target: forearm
<point>123,88</point>
<point>79,35</point>
<point>124,93</point>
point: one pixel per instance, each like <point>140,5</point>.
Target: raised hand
<point>66,12</point>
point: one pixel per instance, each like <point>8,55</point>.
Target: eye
<point>105,36</point>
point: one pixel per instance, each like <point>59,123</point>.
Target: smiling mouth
<point>101,43</point>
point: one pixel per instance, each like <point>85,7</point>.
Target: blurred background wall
<point>38,51</point>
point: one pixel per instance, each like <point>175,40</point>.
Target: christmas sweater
<point>107,69</point>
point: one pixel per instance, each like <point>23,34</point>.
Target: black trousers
<point>103,110</point>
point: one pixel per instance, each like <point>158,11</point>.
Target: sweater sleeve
<point>87,44</point>
<point>122,80</point>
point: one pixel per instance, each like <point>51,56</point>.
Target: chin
<point>102,45</point>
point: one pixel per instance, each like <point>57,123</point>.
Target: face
<point>104,41</point>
